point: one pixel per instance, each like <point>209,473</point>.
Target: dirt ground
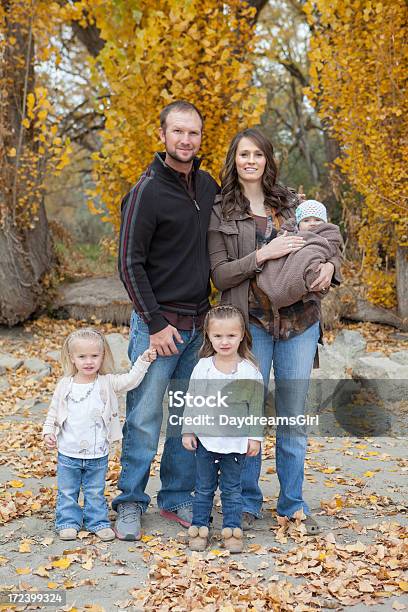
<point>357,489</point>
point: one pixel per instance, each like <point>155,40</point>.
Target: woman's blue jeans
<point>292,361</point>
<point>72,473</point>
<point>214,468</point>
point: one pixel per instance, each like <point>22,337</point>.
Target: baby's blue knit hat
<point>311,208</point>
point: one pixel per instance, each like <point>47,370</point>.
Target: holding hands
<point>149,355</point>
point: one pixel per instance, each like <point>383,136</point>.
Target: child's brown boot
<point>233,539</point>
<point>198,538</point>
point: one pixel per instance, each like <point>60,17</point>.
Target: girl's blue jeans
<point>225,470</point>
<point>292,362</point>
<point>72,473</point>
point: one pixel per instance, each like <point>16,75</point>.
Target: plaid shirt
<point>294,319</point>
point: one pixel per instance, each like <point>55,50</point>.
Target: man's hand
<point>163,341</point>
<point>50,441</point>
<point>254,446</point>
<point>189,442</point>
<point>323,281</point>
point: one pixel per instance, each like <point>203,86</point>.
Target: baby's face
<point>309,223</point>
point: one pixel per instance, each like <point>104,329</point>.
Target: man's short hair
<point>178,105</point>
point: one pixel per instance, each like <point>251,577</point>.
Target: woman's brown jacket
<point>232,249</point>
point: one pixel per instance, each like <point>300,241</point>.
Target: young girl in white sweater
<point>226,363</point>
<point>81,422</point>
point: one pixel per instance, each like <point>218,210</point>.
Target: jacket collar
<point>236,215</point>
<point>160,164</point>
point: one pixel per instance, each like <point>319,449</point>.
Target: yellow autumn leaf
<point>25,547</point>
<point>52,585</point>
<point>12,152</point>
<point>146,538</point>
<point>22,571</point>
<point>26,123</point>
<point>16,484</point>
<point>369,474</point>
<point>62,563</point>
<point>403,585</point>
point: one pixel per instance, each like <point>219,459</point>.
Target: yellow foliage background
<point>157,53</point>
<point>359,67</point>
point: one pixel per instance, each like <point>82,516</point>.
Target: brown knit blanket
<point>288,279</point>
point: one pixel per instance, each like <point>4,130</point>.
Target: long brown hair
<point>233,197</point>
<point>222,313</point>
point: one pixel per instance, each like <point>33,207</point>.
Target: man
<point>164,265</point>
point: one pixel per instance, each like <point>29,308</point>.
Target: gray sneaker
<point>128,521</point>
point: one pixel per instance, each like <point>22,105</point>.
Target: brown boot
<point>198,538</point>
<point>233,539</point>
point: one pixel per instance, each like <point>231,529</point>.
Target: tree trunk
<point>402,281</point>
<point>25,257</point>
<point>345,303</point>
<point>25,245</point>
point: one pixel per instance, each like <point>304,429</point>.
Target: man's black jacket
<point>163,257</point>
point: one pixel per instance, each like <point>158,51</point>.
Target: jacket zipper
<point>201,263</point>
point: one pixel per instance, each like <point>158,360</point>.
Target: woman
<point>242,237</point>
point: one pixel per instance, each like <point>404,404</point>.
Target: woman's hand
<point>323,281</point>
<point>279,247</point>
<point>189,442</point>
<point>254,446</point>
<point>50,441</point>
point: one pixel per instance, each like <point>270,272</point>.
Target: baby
<point>288,279</point>
<point>310,214</point>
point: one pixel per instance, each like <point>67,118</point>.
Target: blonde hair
<point>221,313</point>
<point>86,333</point>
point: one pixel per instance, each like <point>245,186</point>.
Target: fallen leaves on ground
<point>369,566</point>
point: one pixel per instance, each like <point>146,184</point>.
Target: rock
<point>102,298</point>
<point>2,370</point>
<point>380,368</point>
<point>118,344</point>
<point>400,357</point>
<point>54,355</point>
<point>40,375</point>
<point>36,365</point>
<point>4,383</point>
<point>349,344</point>
<point>388,377</point>
<point>9,362</point>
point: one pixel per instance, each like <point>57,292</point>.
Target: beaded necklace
<point>84,397</point>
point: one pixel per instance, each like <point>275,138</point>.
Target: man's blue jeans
<point>211,469</point>
<point>292,361</point>
<point>73,472</point>
<point>144,415</point>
